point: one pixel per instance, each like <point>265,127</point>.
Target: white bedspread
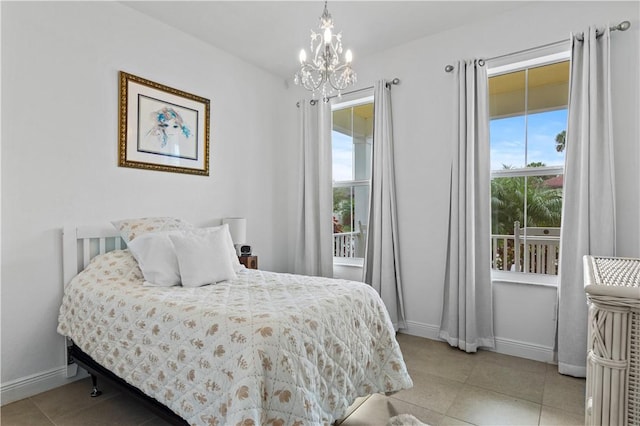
<point>265,349</point>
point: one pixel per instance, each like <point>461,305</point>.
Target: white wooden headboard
<point>81,244</point>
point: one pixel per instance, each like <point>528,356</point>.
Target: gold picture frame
<point>162,128</point>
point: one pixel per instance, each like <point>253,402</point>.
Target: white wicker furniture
<point>613,358</point>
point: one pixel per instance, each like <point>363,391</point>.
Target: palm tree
<point>507,203</point>
<point>544,204</point>
<point>561,139</point>
<point>544,207</point>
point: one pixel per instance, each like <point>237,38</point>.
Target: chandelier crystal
<point>327,71</point>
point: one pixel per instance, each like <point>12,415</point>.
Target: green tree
<point>544,208</point>
<point>544,204</point>
<point>343,206</point>
<point>561,140</point>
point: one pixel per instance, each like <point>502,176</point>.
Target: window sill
<point>356,262</point>
<point>524,278</point>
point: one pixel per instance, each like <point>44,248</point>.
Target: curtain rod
<point>395,81</point>
<point>388,84</point>
<point>622,26</point>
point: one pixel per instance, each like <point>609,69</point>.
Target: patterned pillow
<point>131,228</point>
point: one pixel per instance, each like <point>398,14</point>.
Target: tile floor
<point>450,388</point>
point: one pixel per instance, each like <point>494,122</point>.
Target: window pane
<point>342,145</point>
<point>507,204</point>
<point>546,136</point>
<point>525,223</point>
<point>507,213</point>
<point>352,140</point>
<point>343,202</point>
<point>350,214</point>
<point>541,237</point>
<point>362,140</point>
<point>548,87</point>
<point>547,100</point>
<point>507,102</point>
<point>507,142</point>
<point>528,111</point>
<point>507,94</point>
<point>544,200</point>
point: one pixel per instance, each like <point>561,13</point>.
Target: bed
<point>262,349</point>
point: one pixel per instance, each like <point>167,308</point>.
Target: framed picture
<point>162,128</point>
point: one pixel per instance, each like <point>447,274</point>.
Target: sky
<point>342,156</point>
<point>508,139</point>
<point>507,143</point>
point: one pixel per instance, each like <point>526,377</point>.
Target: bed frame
<point>79,246</point>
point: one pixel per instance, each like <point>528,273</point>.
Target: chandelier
<point>326,69</point>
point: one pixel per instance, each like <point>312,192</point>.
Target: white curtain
<point>467,315</point>
<point>588,215</point>
<point>382,257</point>
<point>314,250</point>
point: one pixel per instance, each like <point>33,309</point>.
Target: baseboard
<point>26,387</point>
<point>420,329</point>
<point>525,350</point>
<point>504,346</point>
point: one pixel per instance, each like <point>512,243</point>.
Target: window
<point>352,139</point>
<point>528,115</point>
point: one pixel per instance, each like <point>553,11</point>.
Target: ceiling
<point>542,88</point>
<point>270,34</point>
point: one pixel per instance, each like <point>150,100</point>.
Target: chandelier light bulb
<point>303,56</point>
<point>348,56</point>
<point>327,36</point>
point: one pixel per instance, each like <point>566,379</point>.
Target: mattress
<point>266,348</point>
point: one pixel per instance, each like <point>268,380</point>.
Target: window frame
<point>360,97</point>
<point>545,55</point>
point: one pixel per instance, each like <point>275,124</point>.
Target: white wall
<point>422,125</point>
<point>60,64</point>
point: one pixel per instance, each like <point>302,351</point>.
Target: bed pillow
<point>156,258</point>
<point>203,256</point>
<point>231,250</point>
<point>132,228</point>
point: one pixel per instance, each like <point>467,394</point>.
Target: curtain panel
<point>314,250</point>
<point>588,216</point>
<point>467,314</point>
<point>382,254</point>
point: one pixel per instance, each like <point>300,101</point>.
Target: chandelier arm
<point>306,77</point>
<point>345,74</point>
<point>336,86</point>
<point>317,40</point>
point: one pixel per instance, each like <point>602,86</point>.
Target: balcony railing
<point>539,255</point>
<point>344,244</point>
<point>348,244</point>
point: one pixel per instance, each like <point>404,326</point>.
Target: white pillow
<point>156,258</point>
<point>230,248</point>
<point>203,256</point>
<point>233,257</point>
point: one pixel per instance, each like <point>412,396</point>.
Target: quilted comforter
<point>265,349</point>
